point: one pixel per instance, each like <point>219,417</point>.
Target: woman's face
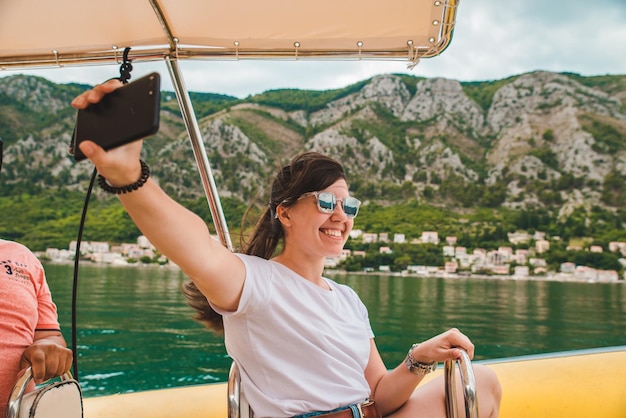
<point>314,232</point>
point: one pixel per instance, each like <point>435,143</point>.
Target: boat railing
<point>468,381</point>
<point>238,406</point>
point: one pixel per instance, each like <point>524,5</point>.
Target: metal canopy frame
<point>40,34</point>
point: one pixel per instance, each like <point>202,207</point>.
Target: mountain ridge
<point>540,141</point>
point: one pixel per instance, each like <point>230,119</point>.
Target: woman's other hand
<point>442,347</point>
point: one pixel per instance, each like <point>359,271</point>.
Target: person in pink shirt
<point>30,334</point>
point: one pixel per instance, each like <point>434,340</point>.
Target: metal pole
<point>202,161</point>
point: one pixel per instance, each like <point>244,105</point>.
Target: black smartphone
<point>125,115</point>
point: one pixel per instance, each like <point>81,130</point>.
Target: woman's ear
<point>282,214</point>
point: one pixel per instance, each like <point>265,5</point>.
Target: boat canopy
<point>62,33</point>
<point>35,33</point>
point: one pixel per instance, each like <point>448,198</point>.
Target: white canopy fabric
<point>45,33</point>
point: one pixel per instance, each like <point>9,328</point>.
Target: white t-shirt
<point>299,347</point>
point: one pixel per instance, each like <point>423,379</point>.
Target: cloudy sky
<point>493,39</point>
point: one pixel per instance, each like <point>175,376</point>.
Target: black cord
<point>125,68</point>
<point>76,261</point>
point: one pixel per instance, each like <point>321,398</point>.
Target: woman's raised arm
<point>175,231</point>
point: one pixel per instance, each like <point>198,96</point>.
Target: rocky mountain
<point>537,140</point>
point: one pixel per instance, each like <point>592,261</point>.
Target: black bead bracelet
<point>145,173</point>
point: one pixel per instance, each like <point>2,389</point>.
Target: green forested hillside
<point>422,154</point>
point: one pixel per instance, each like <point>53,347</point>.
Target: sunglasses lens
<point>351,206</point>
<point>326,202</point>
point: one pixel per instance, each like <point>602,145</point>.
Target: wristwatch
<point>417,367</point>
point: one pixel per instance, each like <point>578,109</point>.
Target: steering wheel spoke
<point>469,387</point>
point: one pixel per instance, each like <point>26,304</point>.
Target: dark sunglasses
<point>327,202</point>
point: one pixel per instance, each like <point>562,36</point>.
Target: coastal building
<point>519,237</point>
<point>59,255</point>
<point>430,237</point>
<point>537,262</point>
<point>399,238</point>
<point>331,262</point>
<point>607,276</point>
<point>450,267</point>
<point>617,246</point>
<point>108,258</point>
<point>90,247</point>
<point>502,270</point>
<point>542,246</point>
<point>369,238</point>
<point>144,242</point>
<point>506,254</point>
<point>521,271</point>
<point>521,256</point>
<point>464,261</point>
<point>419,270</point>
<point>385,250</point>
<point>495,258</point>
<point>586,273</point>
<point>479,253</point>
<point>567,268</point>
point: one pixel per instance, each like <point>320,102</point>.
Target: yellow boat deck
<point>582,384</point>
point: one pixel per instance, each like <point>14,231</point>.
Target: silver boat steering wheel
<point>469,386</point>
<point>238,407</point>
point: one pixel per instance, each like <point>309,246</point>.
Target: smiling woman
<point>276,305</point>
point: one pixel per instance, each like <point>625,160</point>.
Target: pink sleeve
<point>47,311</point>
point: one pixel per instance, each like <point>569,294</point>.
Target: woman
<point>303,342</point>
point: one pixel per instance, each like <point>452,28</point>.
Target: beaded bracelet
<point>145,173</point>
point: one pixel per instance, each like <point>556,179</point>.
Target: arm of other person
<point>48,356</point>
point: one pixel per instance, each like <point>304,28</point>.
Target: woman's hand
<point>120,166</point>
<point>442,347</point>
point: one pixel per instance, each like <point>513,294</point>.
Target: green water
<point>135,331</point>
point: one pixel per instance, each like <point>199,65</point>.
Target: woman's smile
<point>331,232</point>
